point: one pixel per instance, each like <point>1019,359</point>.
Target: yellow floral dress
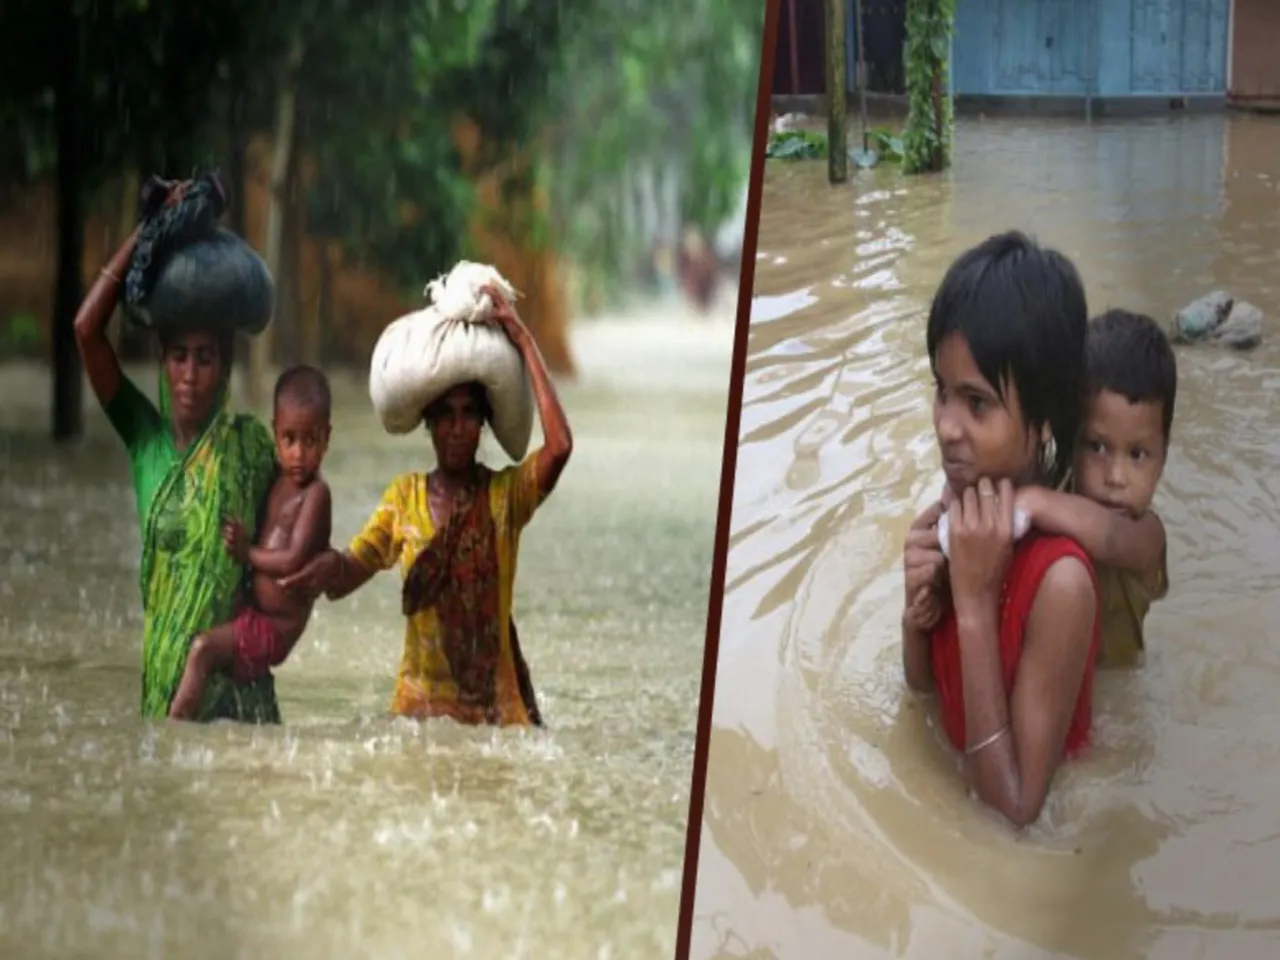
<point>399,530</point>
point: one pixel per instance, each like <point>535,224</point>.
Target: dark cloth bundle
<point>186,271</point>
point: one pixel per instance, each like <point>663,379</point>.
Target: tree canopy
<point>591,88</point>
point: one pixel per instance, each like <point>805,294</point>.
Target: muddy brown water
<point>342,833</point>
<point>835,824</point>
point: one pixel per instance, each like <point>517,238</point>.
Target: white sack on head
<point>421,356</point>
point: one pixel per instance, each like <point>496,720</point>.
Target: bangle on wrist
<point>985,742</point>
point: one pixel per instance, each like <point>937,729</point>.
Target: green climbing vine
<point>930,121</point>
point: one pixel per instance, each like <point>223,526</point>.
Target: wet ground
<point>835,823</point>
<point>342,833</point>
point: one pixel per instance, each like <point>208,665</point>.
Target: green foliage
<point>796,145</point>
<point>389,185</point>
<point>930,125</point>
<point>660,85</point>
<point>20,337</point>
<point>580,89</point>
<point>812,145</point>
<point>138,84</point>
<point>888,143</point>
<point>378,90</point>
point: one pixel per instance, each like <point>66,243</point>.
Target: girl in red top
<point>1005,634</point>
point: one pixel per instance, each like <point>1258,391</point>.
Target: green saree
<point>188,581</point>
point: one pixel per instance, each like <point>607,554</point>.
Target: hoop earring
<point>1048,456</point>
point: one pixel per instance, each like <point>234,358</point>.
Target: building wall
<point>1103,48</point>
<point>1255,50</point>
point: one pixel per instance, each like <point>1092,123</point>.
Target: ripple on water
<point>835,821</point>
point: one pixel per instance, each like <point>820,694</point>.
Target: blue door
<point>1042,46</point>
<point>1179,46</point>
<point>1156,42</point>
<point>1204,44</point>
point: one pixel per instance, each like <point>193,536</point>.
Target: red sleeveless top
<point>1032,557</point>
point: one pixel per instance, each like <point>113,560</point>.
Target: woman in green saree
<point>192,462</point>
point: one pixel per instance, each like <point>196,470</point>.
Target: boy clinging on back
<point>295,525</point>
<point>1132,381</point>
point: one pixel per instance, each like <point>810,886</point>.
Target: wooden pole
<point>68,377</point>
<point>837,72</point>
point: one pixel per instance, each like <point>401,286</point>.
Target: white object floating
<point>1021,524</point>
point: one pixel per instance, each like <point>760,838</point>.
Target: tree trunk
<point>286,116</point>
<point>68,384</point>
<point>292,322</point>
<point>130,185</point>
<point>237,149</point>
<point>324,308</point>
<point>837,149</point>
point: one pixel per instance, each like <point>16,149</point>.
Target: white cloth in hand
<point>1021,524</point>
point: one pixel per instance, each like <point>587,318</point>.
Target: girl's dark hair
<point>478,394</point>
<point>1021,309</point>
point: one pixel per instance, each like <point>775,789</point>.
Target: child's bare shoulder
<point>319,496</point>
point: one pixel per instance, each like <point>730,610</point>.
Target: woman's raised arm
<point>101,364</point>
<point>557,439</point>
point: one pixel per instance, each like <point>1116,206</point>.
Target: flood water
<point>343,833</point>
<point>835,823</point>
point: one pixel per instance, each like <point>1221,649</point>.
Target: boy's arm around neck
<point>1110,537</point>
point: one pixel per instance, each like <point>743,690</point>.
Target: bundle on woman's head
<point>187,272</point>
<point>460,294</point>
<point>423,355</point>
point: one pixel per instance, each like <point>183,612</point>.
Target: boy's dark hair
<point>1021,308</point>
<point>307,387</point>
<point>1129,354</point>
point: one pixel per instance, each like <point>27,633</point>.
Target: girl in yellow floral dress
<point>455,534</point>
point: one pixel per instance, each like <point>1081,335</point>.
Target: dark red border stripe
<point>715,602</point>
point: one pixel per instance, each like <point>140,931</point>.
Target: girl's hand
<point>924,612</point>
<point>981,541</point>
<point>177,191</point>
<point>504,315</point>
<point>318,575</point>
<point>923,564</point>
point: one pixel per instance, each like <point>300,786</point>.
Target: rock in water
<point>1242,330</point>
<point>1219,318</point>
<point>1198,319</point>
